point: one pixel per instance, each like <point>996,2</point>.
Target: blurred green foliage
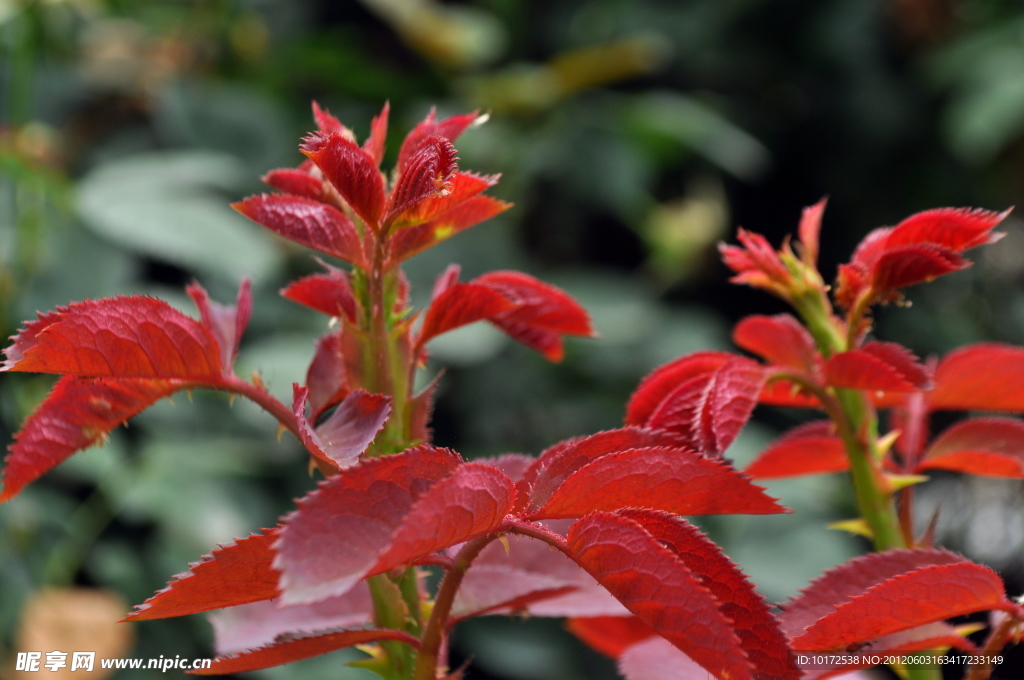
<point>631,135</point>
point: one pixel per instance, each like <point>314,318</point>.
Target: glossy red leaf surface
<point>353,172</point>
<point>657,659</point>
<point>784,393</point>
<point>232,575</point>
<point>412,240</point>
<point>906,265</point>
<point>296,182</point>
<point>840,585</point>
<point>306,221</point>
<point>327,123</point>
<point>981,377</point>
<point>227,323</point>
<point>958,229</point>
<point>809,449</point>
<point>122,337</point>
<point>809,231</point>
<point>778,339</point>
<point>918,597</point>
<point>462,304</point>
<point>325,378</point>
<point>708,412</point>
<point>979,446</point>
<point>882,366</point>
<point>329,293</point>
<point>340,530</point>
<point>374,144</point>
<point>655,585</point>
<point>757,628</point>
<point>461,187</point>
<point>426,175</point>
<point>472,500</point>
<point>348,431</point>
<point>449,128</point>
<point>665,379</point>
<point>613,635</point>
<point>672,479</point>
<point>290,649</point>
<point>257,624</point>
<point>76,414</point>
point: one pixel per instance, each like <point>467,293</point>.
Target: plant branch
<point>265,400</point>
<point>993,645</point>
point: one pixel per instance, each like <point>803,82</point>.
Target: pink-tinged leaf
<point>546,474</point>
<point>347,432</point>
<point>655,585</point>
<point>758,630</point>
<point>448,278</point>
<point>473,500</point>
<point>663,380</point>
<point>459,305</point>
<point>980,377</point>
<point>227,323</point>
<point>906,265</point>
<point>353,172</point>
<point>809,231</point>
<point>76,414</point>
<point>374,144</point>
<point>881,366</point>
<point>958,229</point>
<point>303,220</point>
<point>708,412</point>
<point>810,449</point>
<point>672,479</point>
<point>289,649</point>
<point>840,585</point>
<point>296,182</point>
<point>514,465</point>
<point>329,293</point>
<point>918,597</point>
<point>779,339</point>
<point>412,240</point>
<point>327,123</point>
<point>979,446</point>
<point>235,574</point>
<point>257,624</point>
<point>449,128</point>
<point>461,187</point>
<point>657,659</point>
<point>340,530</point>
<point>421,409</point>
<point>325,377</point>
<point>613,635</point>
<point>122,337</point>
<point>427,175</point>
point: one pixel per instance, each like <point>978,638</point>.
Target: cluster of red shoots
<point>635,580</point>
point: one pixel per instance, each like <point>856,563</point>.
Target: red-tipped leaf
<point>328,293</point>
<point>427,175</point>
<point>877,366</point>
<point>779,339</point>
<point>664,380</point>
<point>347,432</point>
<point>981,377</point>
<point>374,144</point>
<point>810,449</point>
<point>353,172</point>
<point>979,446</point>
<point>296,182</point>
<point>449,128</point>
<point>413,240</point>
<point>227,323</point>
<point>462,304</point>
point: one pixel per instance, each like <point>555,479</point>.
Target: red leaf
<point>663,380</point>
<point>290,649</point>
<point>473,500</point>
<point>76,414</point>
<point>326,375</point>
<point>657,659</point>
<point>459,305</point>
<point>613,635</point>
<point>542,314</point>
<point>784,393</point>
<point>341,529</point>
<point>925,595</point>
<point>840,585</point>
<point>306,221</point>
<point>426,175</point>
<point>412,240</point>
<point>654,584</point>
<point>122,337</point>
<point>979,446</point>
<point>809,231</point>
<point>708,412</point>
<point>327,123</point>
<point>232,575</point>
<point>227,323</point>
<point>256,624</point>
<point>671,479</point>
<point>879,366</point>
<point>958,229</point>
<point>328,293</point>
<point>779,339</point>
<point>449,128</point>
<point>343,437</point>
<point>906,265</point>
<point>374,144</point>
<point>353,172</point>
<point>462,186</point>
<point>296,182</point>
<point>811,449</point>
<point>981,377</point>
<point>758,630</point>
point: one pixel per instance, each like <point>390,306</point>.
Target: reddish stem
<point>265,400</point>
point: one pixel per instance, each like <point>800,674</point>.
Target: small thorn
<point>257,380</point>
<point>504,542</point>
<point>231,398</point>
<point>281,429</point>
<point>854,526</point>
<point>191,393</point>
